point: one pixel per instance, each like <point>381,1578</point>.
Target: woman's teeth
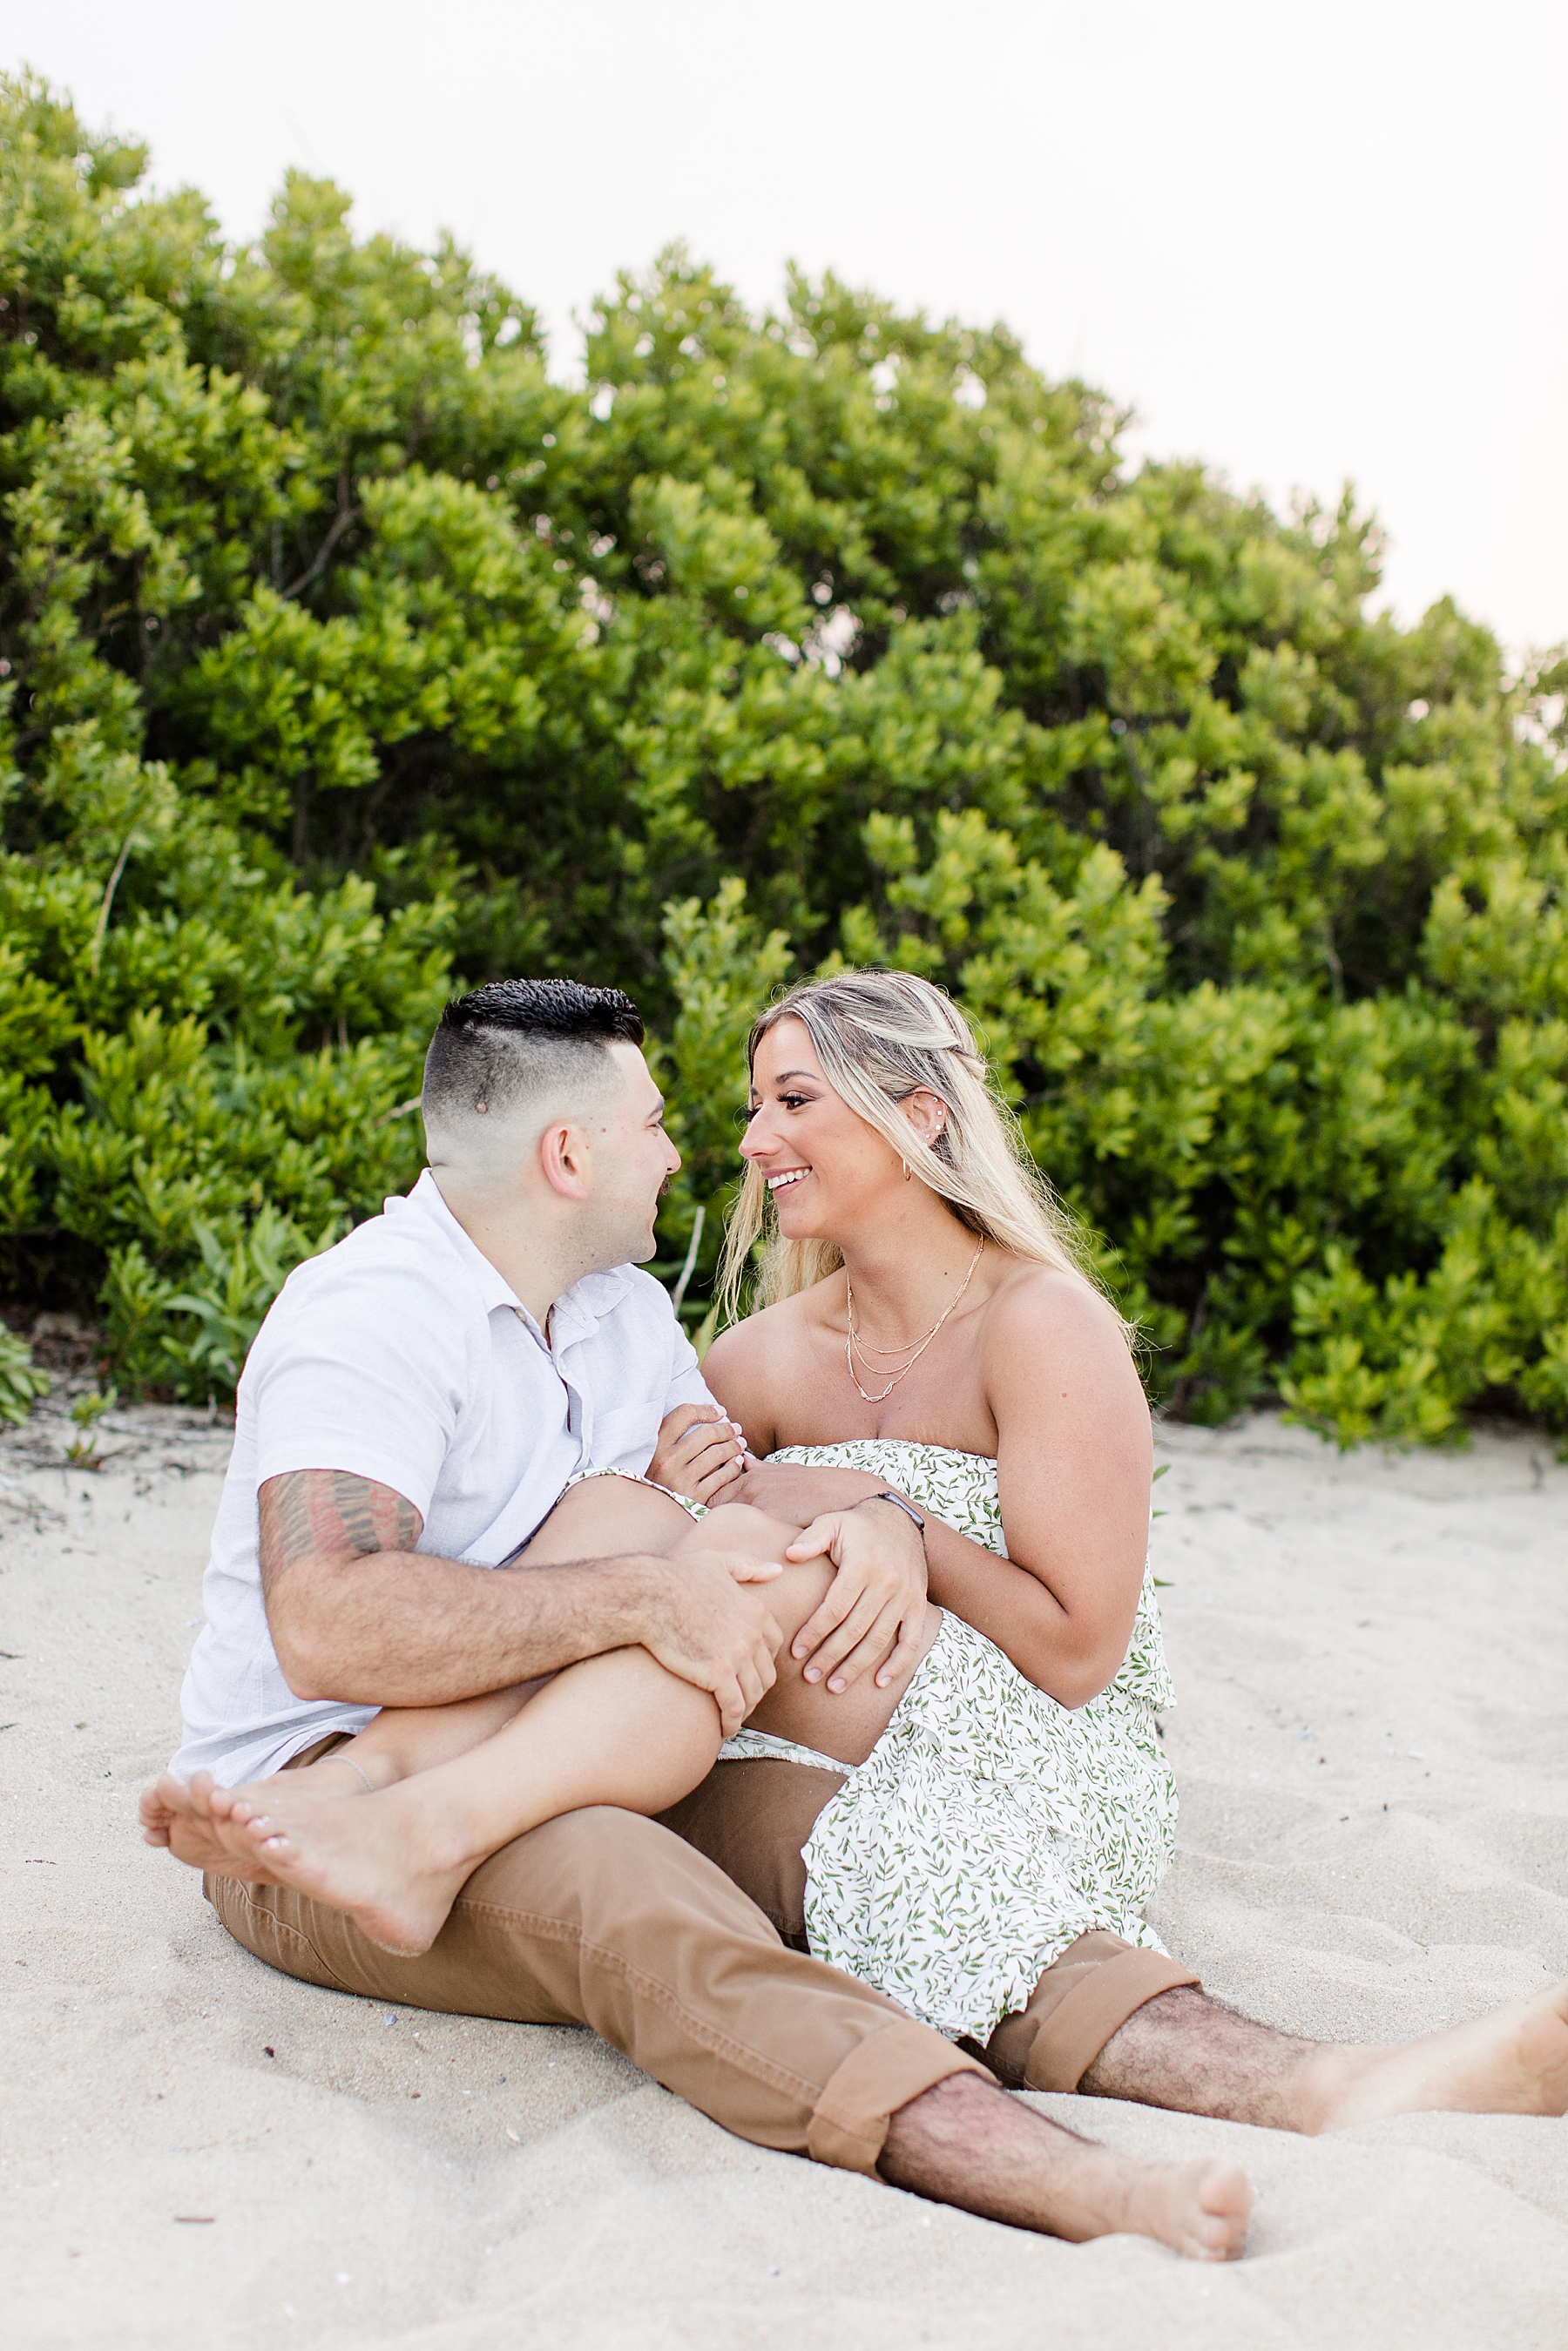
<point>790,1176</point>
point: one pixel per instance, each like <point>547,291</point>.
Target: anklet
<point>361,1769</point>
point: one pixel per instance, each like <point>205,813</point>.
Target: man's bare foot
<point>387,1860</point>
<point>966,2141</point>
<point>1513,2062</point>
<point>1199,2209</point>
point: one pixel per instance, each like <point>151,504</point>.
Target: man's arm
<point>358,1615</point>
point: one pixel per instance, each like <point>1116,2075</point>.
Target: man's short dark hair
<point>563,1008</point>
<point>518,1039</point>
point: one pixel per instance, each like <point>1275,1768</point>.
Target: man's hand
<point>874,1607</point>
<point>703,1623</point>
<point>699,1453</point>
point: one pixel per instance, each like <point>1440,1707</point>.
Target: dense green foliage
<point>347,657</point>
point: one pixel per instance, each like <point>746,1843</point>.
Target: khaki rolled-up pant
<point>603,1918</point>
<point>753,1818</point>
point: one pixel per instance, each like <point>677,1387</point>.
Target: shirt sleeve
<point>367,1377</point>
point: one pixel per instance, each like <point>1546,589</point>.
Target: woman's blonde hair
<point>880,1037</point>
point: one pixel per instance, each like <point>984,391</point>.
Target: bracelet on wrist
<point>910,1512</point>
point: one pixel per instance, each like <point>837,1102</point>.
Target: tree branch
<point>346,514</point>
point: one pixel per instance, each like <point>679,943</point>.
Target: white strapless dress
<point>990,1827</point>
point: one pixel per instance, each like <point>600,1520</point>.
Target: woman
<point>930,1330</point>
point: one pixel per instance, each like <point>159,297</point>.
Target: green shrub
<point>21,1381</point>
<point>347,659</point>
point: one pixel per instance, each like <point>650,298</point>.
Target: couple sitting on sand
<point>823,1785</point>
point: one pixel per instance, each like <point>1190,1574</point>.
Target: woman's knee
<point>740,1526</point>
<point>600,1517</point>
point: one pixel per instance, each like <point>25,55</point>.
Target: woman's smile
<point>781,1178</point>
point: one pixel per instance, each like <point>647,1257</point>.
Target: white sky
<point>1305,242</point>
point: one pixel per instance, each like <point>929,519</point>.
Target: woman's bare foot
<point>1513,2062</point>
<point>193,1823</point>
<point>392,1861</point>
<point>179,1818</point>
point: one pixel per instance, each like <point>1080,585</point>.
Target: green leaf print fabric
<point>991,1827</point>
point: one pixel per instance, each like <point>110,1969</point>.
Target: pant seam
<point>718,2044</point>
<point>282,1927</point>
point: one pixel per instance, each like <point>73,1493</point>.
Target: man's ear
<point>567,1161</point>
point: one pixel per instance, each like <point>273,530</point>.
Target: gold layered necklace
<point>855,1345</point>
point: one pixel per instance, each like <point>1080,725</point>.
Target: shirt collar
<point>577,1312</point>
<point>491,1285</point>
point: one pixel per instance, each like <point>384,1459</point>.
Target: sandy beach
<point>1371,1743</point>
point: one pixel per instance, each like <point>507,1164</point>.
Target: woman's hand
<point>699,1454</point>
<point>874,1609</point>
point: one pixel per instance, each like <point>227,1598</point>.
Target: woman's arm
<point>1074,1458</point>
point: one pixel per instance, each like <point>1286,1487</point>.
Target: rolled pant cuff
<point>1094,2010</point>
<point>882,2073</point>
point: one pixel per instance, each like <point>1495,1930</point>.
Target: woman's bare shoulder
<point>772,1333</point>
<point>1040,1316</point>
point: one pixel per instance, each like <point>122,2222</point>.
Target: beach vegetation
<point>348,657</point>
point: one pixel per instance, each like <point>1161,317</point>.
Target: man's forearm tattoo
<point>331,1514</point>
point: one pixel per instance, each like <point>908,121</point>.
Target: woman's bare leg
<point>846,1725</point>
<point>600,1518</point>
<point>615,1730</point>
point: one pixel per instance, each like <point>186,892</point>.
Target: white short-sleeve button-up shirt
<point>401,1356</point>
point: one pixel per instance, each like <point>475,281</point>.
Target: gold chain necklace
<point>852,1337</point>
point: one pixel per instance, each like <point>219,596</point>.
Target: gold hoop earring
<point>904,1164</point>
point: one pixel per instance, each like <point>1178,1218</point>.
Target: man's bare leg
<point>967,2142</point>
<point>1185,2051</point>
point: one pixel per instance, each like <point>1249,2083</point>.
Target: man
<point>413,1407</point>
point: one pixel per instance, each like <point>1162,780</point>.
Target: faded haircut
<point>519,1049</point>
